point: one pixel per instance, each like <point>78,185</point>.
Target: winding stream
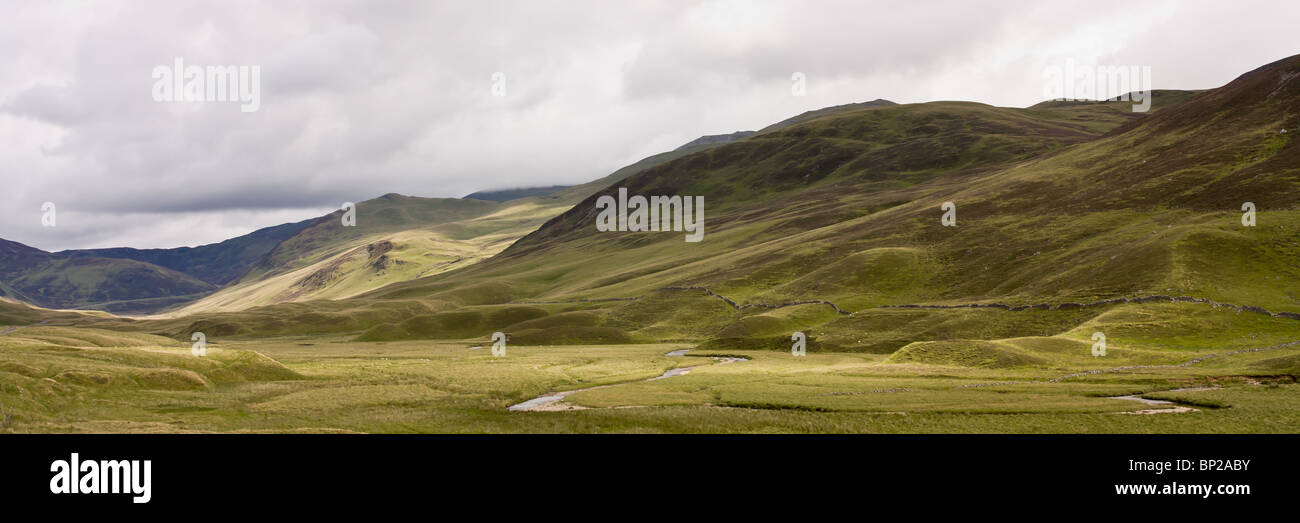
<point>1177,409</point>
<point>550,401</point>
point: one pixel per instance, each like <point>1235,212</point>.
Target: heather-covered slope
<point>1056,204</point>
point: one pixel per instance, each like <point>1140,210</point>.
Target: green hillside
<point>1055,207</point>
<point>829,233</point>
<point>828,175</point>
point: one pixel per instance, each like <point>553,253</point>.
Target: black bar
<point>326,472</point>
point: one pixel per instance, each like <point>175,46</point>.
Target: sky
<point>442,98</point>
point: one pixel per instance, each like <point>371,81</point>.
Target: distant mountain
<point>834,163</point>
<point>397,238</point>
<point>400,238</point>
<point>838,213</point>
<point>514,194</point>
<point>56,280</point>
<point>217,263</point>
<point>391,212</point>
<point>126,280</point>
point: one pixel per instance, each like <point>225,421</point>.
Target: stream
<point>1145,401</point>
<point>549,401</point>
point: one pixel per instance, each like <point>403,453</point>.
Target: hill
<point>396,238</point>
<point>817,113</point>
<point>400,238</point>
<point>217,263</point>
<point>1057,204</point>
<point>717,139</point>
<point>119,285</point>
<point>839,206</point>
<point>131,281</point>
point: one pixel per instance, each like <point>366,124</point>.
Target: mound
<point>964,353</point>
<point>250,366</point>
<point>170,379</point>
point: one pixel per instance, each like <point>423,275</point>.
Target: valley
<point>1074,219</point>
<point>117,383</point>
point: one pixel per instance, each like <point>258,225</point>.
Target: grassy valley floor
<point>69,379</point>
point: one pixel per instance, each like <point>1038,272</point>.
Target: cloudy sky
<point>363,98</point>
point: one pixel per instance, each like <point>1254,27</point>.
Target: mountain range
<point>831,212</point>
<point>404,237</point>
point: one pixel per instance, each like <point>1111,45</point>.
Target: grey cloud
<point>364,98</point>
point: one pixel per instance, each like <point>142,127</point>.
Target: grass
<point>62,379</point>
